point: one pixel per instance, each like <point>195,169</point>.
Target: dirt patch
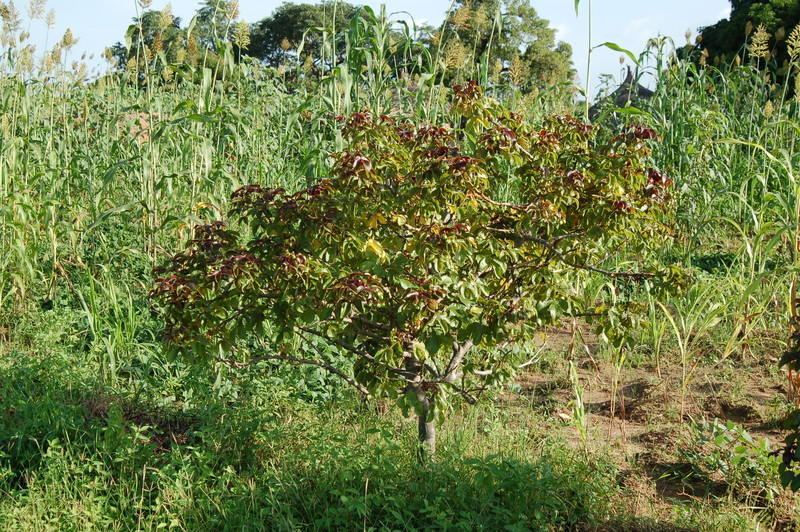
<point>639,525</point>
<point>641,418</point>
<point>166,428</point>
<point>137,125</point>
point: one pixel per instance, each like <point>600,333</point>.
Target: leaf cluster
<point>425,249</point>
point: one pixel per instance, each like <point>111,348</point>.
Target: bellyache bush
<point>425,249</point>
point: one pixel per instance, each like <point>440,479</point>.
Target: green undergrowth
<point>75,455</point>
<point>101,181</point>
<point>191,450</point>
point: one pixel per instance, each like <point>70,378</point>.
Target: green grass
<point>77,455</point>
<point>101,181</point>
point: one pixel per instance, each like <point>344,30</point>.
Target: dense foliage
<point>610,417</point>
<point>424,245</point>
<point>730,36</point>
<point>505,42</point>
<point>509,38</point>
<point>295,29</point>
<point>156,42</point>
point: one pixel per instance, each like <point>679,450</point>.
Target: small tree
<point>425,251</point>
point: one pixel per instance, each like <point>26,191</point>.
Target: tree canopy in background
<point>152,31</point>
<point>511,38</point>
<point>156,42</point>
<point>216,20</point>
<point>276,39</point>
<point>727,37</point>
<point>502,41</point>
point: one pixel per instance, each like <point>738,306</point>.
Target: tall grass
<point>117,171</point>
<point>101,179</point>
<point>729,141</point>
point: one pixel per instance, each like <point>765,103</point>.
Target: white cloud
<point>561,31</point>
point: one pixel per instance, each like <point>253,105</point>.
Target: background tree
<point>512,33</point>
<point>216,20</point>
<point>156,44</point>
<point>727,37</point>
<point>275,39</point>
<point>425,257</point>
<point>153,33</point>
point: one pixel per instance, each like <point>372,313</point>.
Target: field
<point>103,181</point>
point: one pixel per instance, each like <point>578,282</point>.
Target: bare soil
<point>641,417</point>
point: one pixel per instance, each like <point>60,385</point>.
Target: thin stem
<point>588,66</point>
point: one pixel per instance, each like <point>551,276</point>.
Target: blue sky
<point>629,23</point>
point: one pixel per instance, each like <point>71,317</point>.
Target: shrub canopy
<point>425,249</point>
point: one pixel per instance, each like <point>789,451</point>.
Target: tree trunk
<point>427,429</point>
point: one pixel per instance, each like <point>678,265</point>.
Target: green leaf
<point>206,119</point>
<point>432,344</point>
<point>618,48</point>
<point>475,332</point>
<point>191,26</point>
<point>630,111</point>
<point>787,477</point>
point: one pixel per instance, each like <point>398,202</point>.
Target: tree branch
<point>524,207</point>
<point>468,397</point>
<point>349,380</point>
<point>360,352</point>
<point>459,351</point>
<point>549,245</point>
<point>295,360</point>
<point>365,321</point>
